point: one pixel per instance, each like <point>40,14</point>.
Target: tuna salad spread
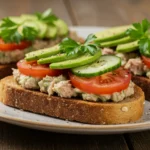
<point>63,88</point>
<point>13,56</point>
<point>131,61</point>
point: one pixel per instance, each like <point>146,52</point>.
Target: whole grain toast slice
<point>144,84</point>
<point>130,109</point>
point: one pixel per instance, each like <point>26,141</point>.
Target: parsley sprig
<point>9,31</point>
<point>140,32</point>
<point>47,17</point>
<point>71,47</point>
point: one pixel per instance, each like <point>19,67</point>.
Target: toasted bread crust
<point>6,70</point>
<point>130,109</point>
<point>144,84</point>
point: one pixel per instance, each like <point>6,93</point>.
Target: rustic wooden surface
<point>83,12</point>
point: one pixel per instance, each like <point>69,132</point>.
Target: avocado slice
<point>62,27</point>
<point>51,32</point>
<point>56,58</point>
<point>116,42</point>
<point>42,53</point>
<point>16,19</point>
<point>42,28</point>
<point>28,17</point>
<point>112,33</point>
<point>128,47</point>
<point>29,24</point>
<point>76,62</point>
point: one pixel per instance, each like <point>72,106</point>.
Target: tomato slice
<point>13,46</point>
<point>35,70</point>
<point>105,84</point>
<point>146,61</point>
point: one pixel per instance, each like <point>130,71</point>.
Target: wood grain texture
<point>109,12</point>
<point>18,138</point>
<point>17,7</point>
<point>139,141</point>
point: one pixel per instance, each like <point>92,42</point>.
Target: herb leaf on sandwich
<point>141,33</point>
<point>9,31</point>
<point>71,47</point>
<point>47,16</point>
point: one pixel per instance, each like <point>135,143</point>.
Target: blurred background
<point>83,12</point>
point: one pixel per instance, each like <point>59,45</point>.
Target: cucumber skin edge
<point>98,73</point>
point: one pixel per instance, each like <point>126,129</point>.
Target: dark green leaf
<point>90,38</point>
<point>29,33</point>
<point>140,29</point>
<point>7,22</point>
<point>9,31</point>
<point>71,47</point>
<point>47,17</point>
<point>144,46</point>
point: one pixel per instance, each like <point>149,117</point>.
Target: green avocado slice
<point>112,43</point>
<point>128,47</point>
<point>35,55</point>
<point>112,33</point>
<point>76,62</point>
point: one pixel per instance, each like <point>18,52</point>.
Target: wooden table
<point>76,12</point>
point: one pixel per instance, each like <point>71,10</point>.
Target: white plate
<point>36,121</point>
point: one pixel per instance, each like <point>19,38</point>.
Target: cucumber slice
<point>80,61</point>
<point>42,53</point>
<point>105,63</point>
<point>56,58</point>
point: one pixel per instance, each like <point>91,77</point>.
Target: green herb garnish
<point>47,17</point>
<point>71,47</point>
<point>141,33</point>
<point>9,31</point>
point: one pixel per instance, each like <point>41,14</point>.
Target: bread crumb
<point>124,109</point>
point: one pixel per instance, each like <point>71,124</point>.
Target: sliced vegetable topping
<point>31,26</point>
<point>13,46</point>
<point>35,70</point>
<point>141,33</point>
<point>56,58</point>
<point>47,16</point>
<point>71,47</point>
<point>80,61</point>
<point>108,83</point>
<point>146,61</point>
<point>104,64</point>
<point>42,53</point>
<point>9,31</point>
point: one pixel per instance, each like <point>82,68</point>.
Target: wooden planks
<point>17,7</point>
<point>109,12</point>
<point>139,141</point>
<point>18,138</point>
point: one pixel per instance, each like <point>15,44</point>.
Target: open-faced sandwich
<point>132,44</point>
<point>19,35</point>
<point>74,82</point>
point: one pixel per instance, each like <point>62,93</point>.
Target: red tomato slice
<point>13,46</point>
<point>146,61</point>
<point>105,84</point>
<point>35,70</point>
